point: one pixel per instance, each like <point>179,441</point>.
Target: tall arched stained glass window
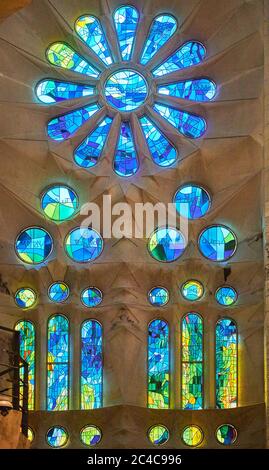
<point>58,363</point>
<point>27,352</point>
<point>226,363</point>
<point>91,381</point>
<point>192,362</point>
<point>158,365</point>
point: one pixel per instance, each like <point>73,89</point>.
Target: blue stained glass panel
<point>158,296</point>
<point>226,296</point>
<point>33,245</point>
<point>158,365</point>
<point>62,55</point>
<point>188,124</point>
<point>90,31</point>
<point>91,297</point>
<point>58,292</point>
<point>126,90</point>
<point>83,245</point>
<point>226,363</point>
<point>162,29</point>
<point>126,21</point>
<point>54,91</point>
<point>217,243</point>
<point>201,89</point>
<point>162,151</point>
<point>192,201</point>
<point>91,365</point>
<point>166,244</point>
<point>126,160</point>
<point>63,127</point>
<point>88,153</point>
<point>57,436</point>
<point>189,54</point>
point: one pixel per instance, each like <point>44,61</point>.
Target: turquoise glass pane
<point>166,244</point>
<point>192,201</point>
<point>217,243</point>
<point>59,203</point>
<point>126,160</point>
<point>91,297</point>
<point>57,436</point>
<point>126,90</point>
<point>188,124</point>
<point>65,126</point>
<point>62,55</point>
<point>158,296</point>
<point>54,91</point>
<point>226,296</point>
<point>192,290</point>
<point>126,21</point>
<point>158,365</point>
<point>91,365</point>
<point>226,363</point>
<point>90,31</point>
<point>33,245</point>
<point>162,151</point>
<point>88,153</point>
<point>191,53</point>
<point>58,292</point>
<point>27,352</point>
<point>200,89</point>
<point>162,29</point>
<point>83,245</point>
<point>158,435</point>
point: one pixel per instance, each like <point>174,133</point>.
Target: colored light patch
<point>125,160</point>
<point>126,90</point>
<point>62,55</point>
<point>162,29</point>
<point>59,203</point>
<point>226,434</point>
<point>226,296</point>
<point>126,20</point>
<point>192,290</point>
<point>57,436</point>
<point>89,29</point>
<point>217,243</point>
<point>91,381</point>
<point>58,292</point>
<point>158,435</point>
<point>158,365</point>
<point>83,245</point>
<point>192,362</point>
<point>27,352</point>
<point>65,126</point>
<point>54,91</point>
<point>192,436</point>
<point>91,297</point>
<point>190,125</point>
<point>166,244</point>
<point>88,153</point>
<point>25,298</point>
<point>90,435</point>
<point>158,296</point>
<point>163,153</point>
<point>226,363</point>
<point>33,245</point>
<point>30,434</point>
<point>192,201</point>
<point>189,54</point>
<point>201,89</point>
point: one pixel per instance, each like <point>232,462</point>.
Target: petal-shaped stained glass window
<point>64,56</point>
<point>190,125</point>
<point>33,245</point>
<point>126,20</point>
<point>162,29</point>
<point>158,296</point>
<point>53,91</point>
<point>83,245</point>
<point>226,434</point>
<point>192,201</point>
<point>199,89</point>
<point>91,297</point>
<point>90,435</point>
<point>166,244</point>
<point>158,365</point>
<point>57,436</point>
<point>126,159</point>
<point>91,381</point>
<point>58,292</point>
<point>158,435</point>
<point>65,126</point>
<point>226,296</point>
<point>27,352</point>
<point>162,151</point>
<point>126,90</point>
<point>59,202</point>
<point>192,362</point>
<point>88,153</point>
<point>217,243</point>
<point>191,53</point>
<point>192,290</point>
<point>25,297</point>
<point>90,31</point>
<point>192,436</point>
<point>226,363</point>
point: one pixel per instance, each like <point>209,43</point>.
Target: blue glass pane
<point>158,296</point>
<point>161,30</point>
<point>91,297</point>
<point>217,243</point>
<point>158,365</point>
<point>59,203</point>
<point>126,90</point>
<point>200,89</point>
<point>192,201</point>
<point>166,244</point>
<point>226,363</point>
<point>88,153</point>
<point>188,124</point>
<point>91,365</point>
<point>62,55</point>
<point>191,53</point>
<point>126,20</point>
<point>53,91</point>
<point>192,290</point>
<point>63,127</point>
<point>83,245</point>
<point>162,151</point>
<point>125,160</point>
<point>90,31</point>
<point>58,292</point>
<point>57,436</point>
<point>226,296</point>
<point>33,245</point>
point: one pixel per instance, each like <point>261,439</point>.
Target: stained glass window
<point>57,436</point>
<point>200,89</point>
<point>126,21</point>
<point>126,159</point>
<point>192,362</point>
<point>126,90</point>
<point>166,244</point>
<point>226,296</point>
<point>91,365</point>
<point>189,54</point>
<point>59,202</point>
<point>64,56</point>
<point>58,364</point>
<point>162,29</point>
<point>90,435</point>
<point>91,297</point>
<point>53,91</point>
<point>226,434</point>
<point>217,243</point>
<point>65,126</point>
<point>33,245</point>
<point>90,31</point>
<point>30,434</point>
<point>27,352</point>
<point>162,151</point>
<point>226,363</point>
<point>158,365</point>
<point>158,435</point>
<point>192,290</point>
<point>158,296</point>
<point>25,297</point>
<point>188,124</point>
<point>58,292</point>
<point>192,436</point>
<point>192,201</point>
<point>88,153</point>
<point>83,245</point>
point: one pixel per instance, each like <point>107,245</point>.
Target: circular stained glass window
<point>166,244</point>
<point>226,434</point>
<point>25,297</point>
<point>90,435</point>
<point>192,201</point>
<point>30,434</point>
<point>126,90</point>
<point>226,296</point>
<point>217,243</point>
<point>57,436</point>
<point>59,203</point>
<point>58,292</point>
<point>83,245</point>
<point>33,245</point>
<point>192,290</point>
<point>91,297</point>
<point>158,296</point>
<point>192,436</point>
<point>158,435</point>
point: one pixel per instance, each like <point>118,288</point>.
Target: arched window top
<point>126,20</point>
<point>161,30</point>
<point>158,326</point>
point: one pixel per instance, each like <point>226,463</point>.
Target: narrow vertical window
<point>27,352</point>
<point>91,382</point>
<point>192,362</point>
<point>226,363</point>
<point>58,363</point>
<point>158,364</point>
